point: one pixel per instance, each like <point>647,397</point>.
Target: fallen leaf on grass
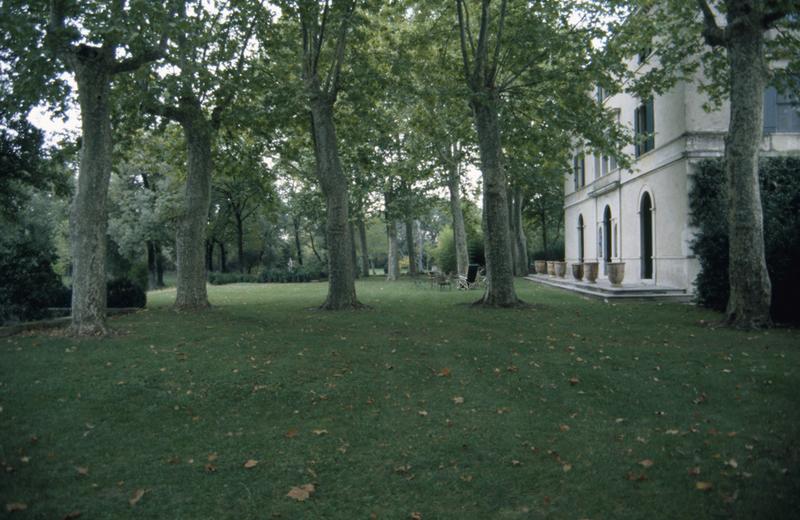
<point>646,463</point>
<point>672,432</point>
<point>703,486</point>
<point>291,433</point>
<point>458,400</point>
<point>445,372</point>
<point>732,463</point>
<point>564,428</point>
<point>72,515</point>
<point>574,381</point>
<point>516,463</point>
<point>250,464</point>
<point>301,493</point>
<point>566,467</point>
<point>319,432</point>
<point>416,516</point>
<point>16,506</point>
<point>212,457</point>
<point>210,468</point>
<point>137,495</point>
<point>694,471</point>
<point>82,471</point>
<point>423,413</point>
<point>635,477</point>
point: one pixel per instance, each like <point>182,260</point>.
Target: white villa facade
<point>640,215</point>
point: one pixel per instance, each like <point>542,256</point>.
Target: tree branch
<point>133,63</point>
<point>713,34</point>
<point>494,66</point>
<point>334,73</point>
<point>463,34</point>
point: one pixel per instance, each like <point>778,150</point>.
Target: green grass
<point>256,375</point>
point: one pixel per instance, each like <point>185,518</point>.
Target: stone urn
<point>616,272</point>
<point>541,266</point>
<point>577,271</point>
<point>561,269</point>
<point>590,271</point>
<point>551,268</point>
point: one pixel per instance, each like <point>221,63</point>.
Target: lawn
<point>419,405</point>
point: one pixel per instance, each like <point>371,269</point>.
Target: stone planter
<point>561,269</point>
<point>577,271</point>
<point>616,272</point>
<point>541,266</point>
<point>551,268</point>
<point>590,271</point>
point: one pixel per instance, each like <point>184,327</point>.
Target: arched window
<point>646,235</point>
<point>580,238</point>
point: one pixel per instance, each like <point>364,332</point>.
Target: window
<point>604,165</point>
<point>643,127</point>
<point>781,111</point>
<point>600,94</point>
<point>579,171</point>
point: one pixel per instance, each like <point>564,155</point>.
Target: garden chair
<point>470,281</point>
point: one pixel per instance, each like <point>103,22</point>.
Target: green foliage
<point>285,276</point>
<point>228,278</point>
<point>124,293</point>
<point>445,252</point>
<point>29,285</point>
<point>780,196</point>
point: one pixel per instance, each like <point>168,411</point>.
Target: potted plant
<point>560,268</point>
<point>577,271</point>
<point>616,272</point>
<point>541,266</point>
<point>590,271</point>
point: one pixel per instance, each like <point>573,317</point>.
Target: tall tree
<point>743,45</point>
<point>323,57</point>
<point>208,67</point>
<point>87,40</point>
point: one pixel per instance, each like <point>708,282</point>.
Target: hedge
<point>780,197</point>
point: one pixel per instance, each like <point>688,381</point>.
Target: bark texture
<point>520,242</point>
<point>362,235</point>
<point>412,250</point>
<point>88,216</point>
<point>393,257</point>
<point>341,279</point>
<point>500,290</point>
<point>191,233</point>
<point>750,287</point>
<point>459,230</point>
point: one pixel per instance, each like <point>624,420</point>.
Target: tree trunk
<point>512,229</point>
<point>296,226</point>
<point>88,214</point>
<point>352,229</point>
<point>393,258</point>
<point>152,275</point>
<point>313,247</point>
<point>362,235</point>
<point>459,231</point>
<point>223,258</point>
<point>521,242</point>
<point>209,255</point>
<point>420,246</point>
<point>159,265</point>
<point>543,217</point>
<point>411,245</point>
<point>240,240</point>
<point>750,286</point>
<point>497,240</point>
<point>341,282</point>
<point>191,235</point>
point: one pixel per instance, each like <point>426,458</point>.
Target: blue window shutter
<point>575,171</point>
<point>770,110</point>
<point>636,131</point>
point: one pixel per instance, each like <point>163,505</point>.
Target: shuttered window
<point>644,127</point>
<point>781,111</point>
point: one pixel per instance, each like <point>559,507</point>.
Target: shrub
<point>122,293</point>
<point>780,196</point>
<point>284,276</point>
<point>445,252</point>
<point>227,278</point>
<point>29,284</point>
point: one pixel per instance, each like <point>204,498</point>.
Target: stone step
<point>604,291</point>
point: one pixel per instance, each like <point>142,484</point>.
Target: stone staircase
<point>603,290</point>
